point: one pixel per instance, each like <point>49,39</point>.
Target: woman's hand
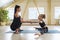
<point>24,21</point>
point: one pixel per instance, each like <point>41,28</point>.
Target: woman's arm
<point>24,21</point>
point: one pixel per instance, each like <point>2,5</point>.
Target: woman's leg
<point>18,28</point>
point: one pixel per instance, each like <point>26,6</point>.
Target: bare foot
<point>35,27</point>
<point>38,34</point>
<point>16,32</point>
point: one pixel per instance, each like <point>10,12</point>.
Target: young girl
<point>42,24</point>
<point>41,18</point>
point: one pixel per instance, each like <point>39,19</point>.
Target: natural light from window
<point>11,13</point>
<point>57,12</point>
<point>33,12</point>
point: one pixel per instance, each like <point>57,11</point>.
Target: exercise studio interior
<point>29,19</point>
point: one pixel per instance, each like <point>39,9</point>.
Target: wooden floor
<point>28,36</point>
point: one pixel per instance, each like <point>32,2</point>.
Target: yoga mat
<point>34,31</point>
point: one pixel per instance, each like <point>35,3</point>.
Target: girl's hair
<point>17,6</point>
<point>42,15</point>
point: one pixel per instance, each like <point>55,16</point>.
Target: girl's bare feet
<point>38,34</point>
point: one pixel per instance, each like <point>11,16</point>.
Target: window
<point>11,13</point>
<point>33,12</point>
<point>57,12</point>
<point>5,2</point>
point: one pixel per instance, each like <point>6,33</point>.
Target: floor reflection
<point>28,36</point>
<point>17,37</point>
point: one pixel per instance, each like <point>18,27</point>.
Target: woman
<point>17,22</point>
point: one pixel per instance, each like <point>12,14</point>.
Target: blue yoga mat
<point>53,31</point>
<point>34,31</point>
<point>24,31</point>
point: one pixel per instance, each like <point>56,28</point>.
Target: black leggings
<point>14,27</point>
